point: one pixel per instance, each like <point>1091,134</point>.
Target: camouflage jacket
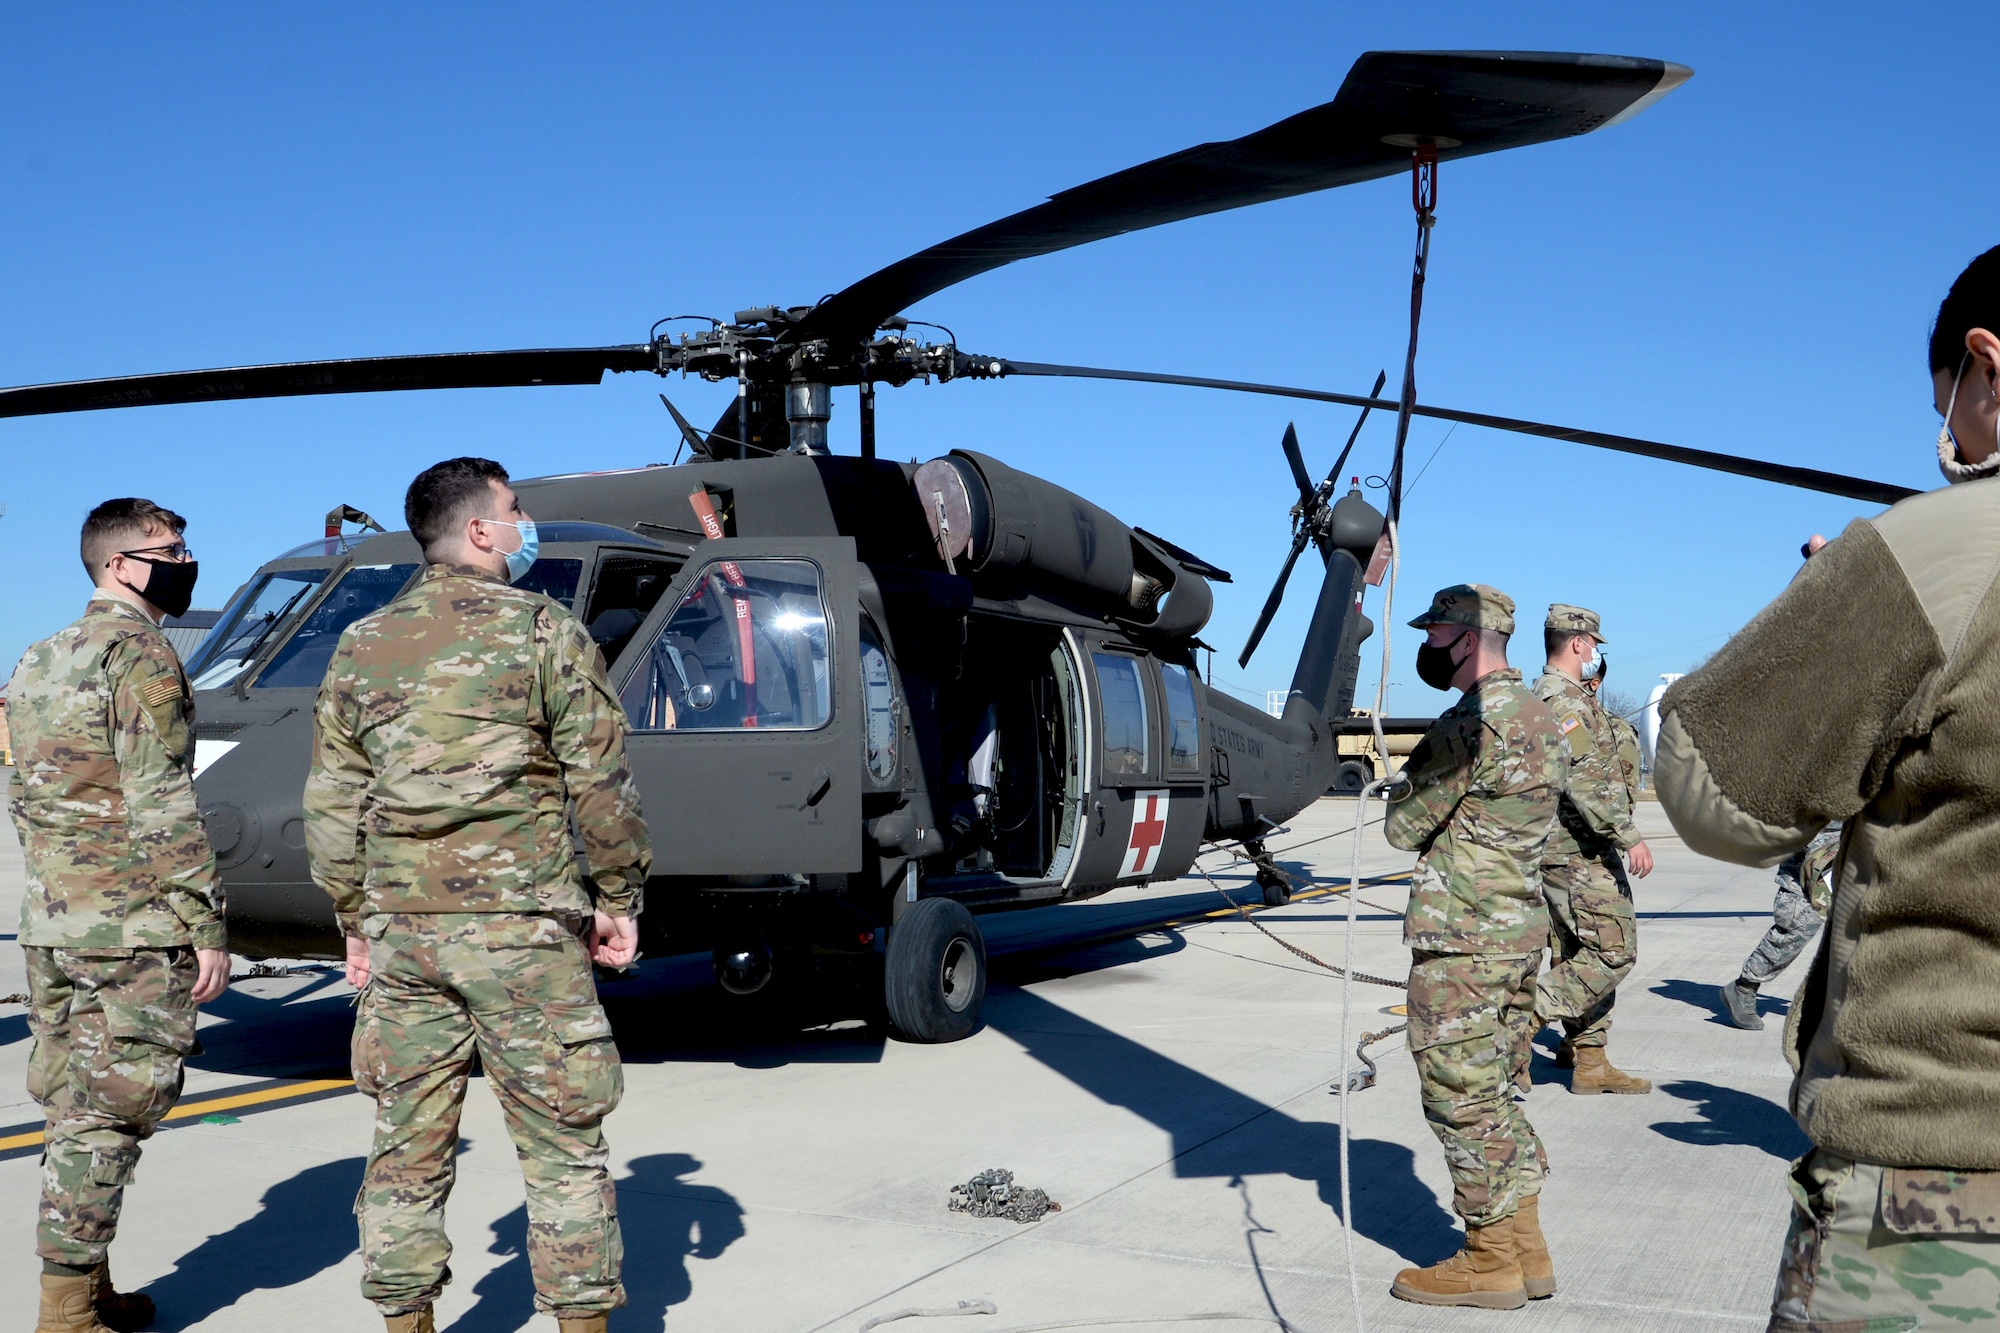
<point>460,731</point>
<point>1596,812</point>
<point>103,790</point>
<point>1628,756</point>
<point>1484,784</point>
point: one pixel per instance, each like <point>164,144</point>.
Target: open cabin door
<point>743,688</point>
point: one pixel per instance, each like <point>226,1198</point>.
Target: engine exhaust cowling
<point>987,517</point>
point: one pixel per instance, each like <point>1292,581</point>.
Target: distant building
<point>186,632</point>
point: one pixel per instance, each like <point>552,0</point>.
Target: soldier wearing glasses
<point>122,919</point>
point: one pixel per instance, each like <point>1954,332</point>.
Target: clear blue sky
<point>1751,266</point>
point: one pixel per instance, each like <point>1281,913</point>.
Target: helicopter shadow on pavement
<point>666,1221</point>
<point>290,1032</point>
<point>304,1226</point>
<point>1218,1132</point>
<point>13,1028</point>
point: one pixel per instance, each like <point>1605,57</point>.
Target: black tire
<point>1351,777</point>
<point>934,975</point>
<point>1277,889</point>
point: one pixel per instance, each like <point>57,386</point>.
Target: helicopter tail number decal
<point>1149,832</point>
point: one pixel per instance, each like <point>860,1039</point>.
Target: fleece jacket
<point>1869,692</point>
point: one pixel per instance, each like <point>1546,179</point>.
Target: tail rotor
<point>1312,516</point>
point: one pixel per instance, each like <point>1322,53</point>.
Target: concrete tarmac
<point>1170,1090</point>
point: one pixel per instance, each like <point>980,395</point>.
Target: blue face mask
<point>1593,664</point>
<point>520,559</point>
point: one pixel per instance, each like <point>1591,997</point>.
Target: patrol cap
<point>1472,604</point>
<point>1574,619</point>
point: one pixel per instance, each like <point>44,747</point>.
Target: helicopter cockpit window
<point>555,579</point>
<point>1127,747</point>
<point>249,622</point>
<point>1183,726</point>
<point>301,663</point>
<point>627,589</point>
<point>746,649</point>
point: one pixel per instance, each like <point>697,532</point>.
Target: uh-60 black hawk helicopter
<point>869,700</point>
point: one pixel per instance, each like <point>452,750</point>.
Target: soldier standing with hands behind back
<point>1481,797</point>
<point>458,731</point>
<point>122,921</point>
<point>1594,934</point>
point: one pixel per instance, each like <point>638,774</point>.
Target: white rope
<point>1378,787</point>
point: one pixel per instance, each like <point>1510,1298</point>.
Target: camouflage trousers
<point>1887,1248</point>
<point>517,993</point>
<point>1593,943</point>
<point>1797,910</point>
<point>111,1028</point>
<point>1471,1019</point>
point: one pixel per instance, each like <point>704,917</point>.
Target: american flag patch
<point>159,691</point>
<point>1570,724</point>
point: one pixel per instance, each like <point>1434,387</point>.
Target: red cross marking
<point>1149,830</point>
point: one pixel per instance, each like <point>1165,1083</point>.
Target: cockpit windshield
<point>362,590</point>
<point>249,622</point>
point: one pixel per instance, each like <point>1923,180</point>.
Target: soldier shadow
<point>1729,1116</point>
<point>1707,997</point>
<point>666,1220</point>
<point>304,1226</point>
<point>1218,1132</point>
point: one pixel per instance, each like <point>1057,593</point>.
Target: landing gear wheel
<point>1277,889</point>
<point>934,977</point>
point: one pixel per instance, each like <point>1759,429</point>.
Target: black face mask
<point>1434,665</point>
<point>169,584</point>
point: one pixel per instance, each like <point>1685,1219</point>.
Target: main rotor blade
<point>1271,602</point>
<point>372,374</point>
<point>1290,444</point>
<point>1463,102</point>
<point>1785,474</point>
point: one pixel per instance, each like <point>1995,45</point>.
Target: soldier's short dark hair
<point>121,525</point>
<point>1555,640</point>
<point>1972,303</point>
<point>445,494</point>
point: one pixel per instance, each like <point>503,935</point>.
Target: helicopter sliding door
<point>743,688</point>
<point>1144,818</point>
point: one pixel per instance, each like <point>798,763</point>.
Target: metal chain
<point>1291,948</point>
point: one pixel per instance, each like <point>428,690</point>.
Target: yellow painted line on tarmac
<point>214,1105</point>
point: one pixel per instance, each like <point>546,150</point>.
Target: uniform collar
<point>104,603</point>
<point>1494,677</point>
<point>434,572</point>
<point>1550,673</point>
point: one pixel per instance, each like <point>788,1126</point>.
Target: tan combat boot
<point>416,1321</point>
<point>1484,1273</point>
<point>1594,1073</point>
<point>126,1312</point>
<point>66,1306</point>
<point>1531,1251</point>
<point>595,1322</point>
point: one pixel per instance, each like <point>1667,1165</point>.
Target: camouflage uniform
<point>1798,909</point>
<point>1868,1242</point>
<point>121,891</point>
<point>1482,796</point>
<point>1594,940</point>
<point>463,732</point>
